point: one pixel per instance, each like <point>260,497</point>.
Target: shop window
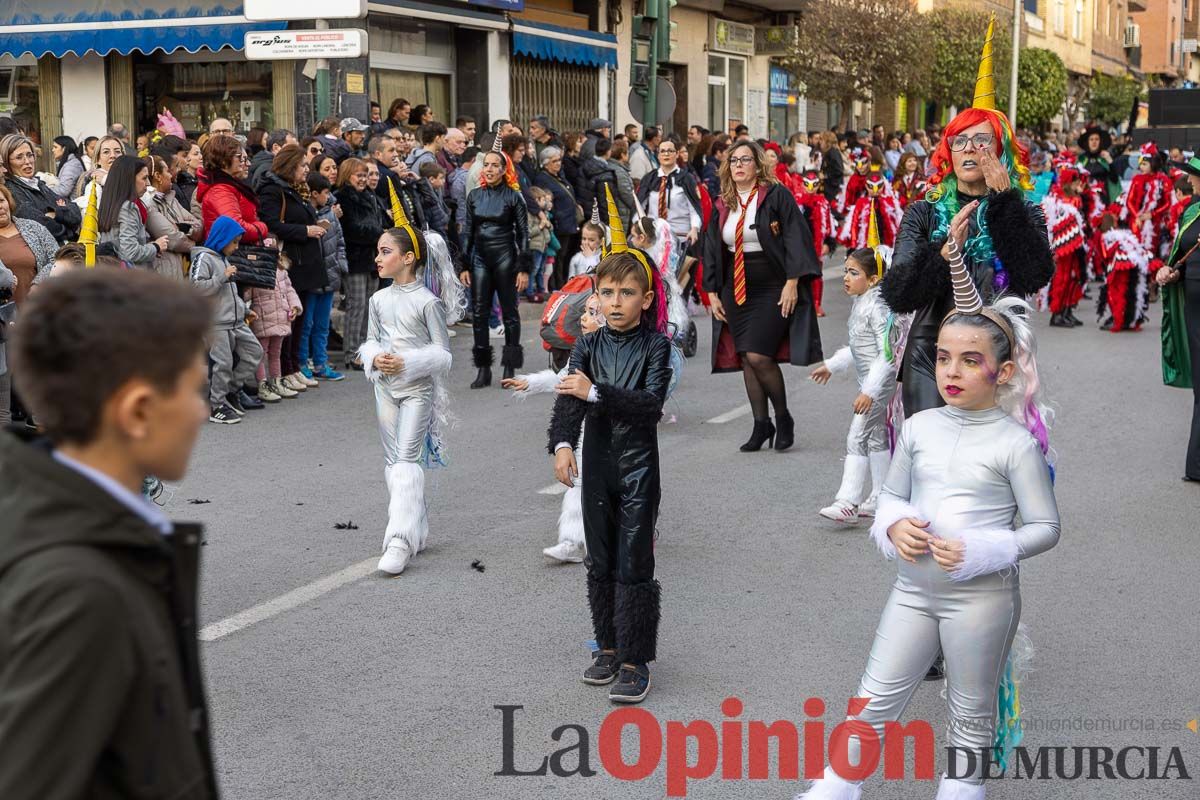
<point>197,92</point>
<point>415,87</point>
<point>19,95</point>
<point>410,37</point>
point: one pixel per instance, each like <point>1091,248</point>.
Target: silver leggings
<point>973,623</point>
<point>868,432</point>
<point>403,423</point>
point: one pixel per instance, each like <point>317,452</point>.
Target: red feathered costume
<point>910,188</point>
<point>1149,193</point>
<point>811,199</point>
<point>1068,241</point>
<point>887,215</point>
<point>855,185</point>
<point>1123,299</point>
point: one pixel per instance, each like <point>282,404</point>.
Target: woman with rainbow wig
<point>947,514</point>
<point>976,201</point>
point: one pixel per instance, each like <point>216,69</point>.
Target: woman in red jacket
<point>223,190</point>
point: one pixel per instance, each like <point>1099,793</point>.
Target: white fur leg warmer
<point>570,519</point>
<point>366,353</point>
<point>424,362</point>
<point>888,513</point>
<point>985,552</point>
<point>832,787</point>
<point>406,508</point>
<point>950,789</point>
<point>854,478</point>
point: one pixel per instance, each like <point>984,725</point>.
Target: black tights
<point>764,381</point>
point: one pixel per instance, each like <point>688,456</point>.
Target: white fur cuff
<point>367,353</point>
<point>840,361</point>
<point>985,552</point>
<point>424,362</point>
<point>539,383</point>
<point>888,513</point>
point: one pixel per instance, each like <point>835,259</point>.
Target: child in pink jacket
<point>276,308</point>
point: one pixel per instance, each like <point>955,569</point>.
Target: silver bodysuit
<point>404,320</point>
<point>868,329</point>
<point>969,473</point>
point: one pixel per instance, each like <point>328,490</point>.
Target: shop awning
<point>554,43</point>
<point>59,27</point>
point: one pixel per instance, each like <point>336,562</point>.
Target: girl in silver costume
<point>959,477</point>
<point>869,355</point>
<point>407,356</point>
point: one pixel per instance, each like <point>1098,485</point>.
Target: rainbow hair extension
<point>1023,397</point>
<point>943,191</point>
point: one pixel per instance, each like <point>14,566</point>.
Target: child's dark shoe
<point>603,670</point>
<point>633,684</point>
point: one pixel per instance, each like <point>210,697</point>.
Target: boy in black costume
<point>618,379</point>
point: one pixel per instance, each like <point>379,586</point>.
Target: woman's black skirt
<point>756,325</point>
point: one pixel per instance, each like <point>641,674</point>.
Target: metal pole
<point>322,81</point>
<point>1018,11</point>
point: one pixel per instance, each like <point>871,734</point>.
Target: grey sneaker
<point>603,670</point>
<point>224,414</point>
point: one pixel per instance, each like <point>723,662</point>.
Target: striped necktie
<point>739,257</point>
<point>662,197</point>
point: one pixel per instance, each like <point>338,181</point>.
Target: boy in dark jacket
<point>100,685</point>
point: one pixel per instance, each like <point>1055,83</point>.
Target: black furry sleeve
<point>918,275</point>
<point>642,407</point>
<point>1019,238</point>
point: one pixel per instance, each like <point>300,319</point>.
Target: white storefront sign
<point>275,10</point>
<point>333,43</point>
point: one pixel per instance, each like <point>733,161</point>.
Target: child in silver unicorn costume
<point>959,477</point>
<point>869,353</point>
<point>407,356</point>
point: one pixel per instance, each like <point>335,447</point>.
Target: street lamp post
<point>1018,11</point>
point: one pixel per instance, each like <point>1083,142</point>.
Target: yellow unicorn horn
<point>616,229</point>
<point>400,219</point>
<point>985,81</point>
<point>89,233</point>
<point>873,239</point>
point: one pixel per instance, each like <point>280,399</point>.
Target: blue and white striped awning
<point>59,27</point>
<point>555,43</point>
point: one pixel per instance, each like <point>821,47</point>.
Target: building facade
<point>1159,27</point>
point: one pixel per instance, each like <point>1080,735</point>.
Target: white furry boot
<point>951,789</point>
<point>407,526</point>
<point>570,548</point>
<point>880,460</point>
<point>854,484</point>
<point>832,787</point>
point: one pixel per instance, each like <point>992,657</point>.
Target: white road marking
<point>286,602</point>
<point>554,488</point>
<point>729,416</point>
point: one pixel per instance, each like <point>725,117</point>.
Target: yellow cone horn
<point>616,229</point>
<point>985,80</point>
<point>400,219</point>
<point>89,232</point>
<point>873,239</point>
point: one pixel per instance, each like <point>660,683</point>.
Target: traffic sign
<point>665,103</point>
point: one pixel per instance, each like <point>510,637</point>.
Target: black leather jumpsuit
<point>497,240</point>
<point>919,279</point>
<point>631,371</point>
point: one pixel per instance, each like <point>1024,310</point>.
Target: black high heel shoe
<point>786,435</point>
<point>764,431</point>
<point>509,372</point>
<point>482,378</point>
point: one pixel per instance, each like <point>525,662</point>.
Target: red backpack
<point>561,316</point>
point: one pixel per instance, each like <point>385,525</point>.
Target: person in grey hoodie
<point>122,216</point>
<point>333,248</point>
<point>213,275</point>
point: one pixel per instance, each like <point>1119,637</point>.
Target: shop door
<point>569,94</point>
<point>415,87</point>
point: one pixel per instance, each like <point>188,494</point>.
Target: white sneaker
<point>307,381</point>
<point>867,509</point>
<point>497,332</point>
<point>395,558</point>
<point>280,387</point>
<point>841,511</point>
<point>565,553</point>
<point>451,332</point>
<point>291,382</point>
<point>266,392</point>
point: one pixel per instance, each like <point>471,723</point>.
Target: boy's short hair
<point>73,253</point>
<point>317,182</point>
<point>621,266</point>
<point>1183,186</point>
<point>88,333</point>
<point>594,228</point>
<point>430,169</point>
<point>864,257</point>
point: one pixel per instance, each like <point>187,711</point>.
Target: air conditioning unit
<point>1133,35</point>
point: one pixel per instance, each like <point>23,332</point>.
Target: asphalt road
<point>387,687</point>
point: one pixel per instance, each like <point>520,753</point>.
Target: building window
<point>1031,6</point>
<point>19,95</point>
<point>726,92</point>
<point>200,87</point>
<point>1060,16</point>
<point>1077,22</point>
